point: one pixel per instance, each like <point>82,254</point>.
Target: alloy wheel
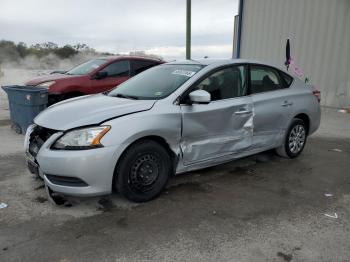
<point>297,139</point>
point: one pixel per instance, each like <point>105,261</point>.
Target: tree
<point>66,51</point>
<point>22,49</point>
<point>8,51</point>
<point>49,45</point>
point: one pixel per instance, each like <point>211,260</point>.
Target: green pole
<point>188,30</point>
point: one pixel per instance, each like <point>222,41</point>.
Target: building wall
<point>319,31</point>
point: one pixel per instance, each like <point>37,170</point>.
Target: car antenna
<point>287,62</point>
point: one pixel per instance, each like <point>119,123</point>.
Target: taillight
<point>317,93</point>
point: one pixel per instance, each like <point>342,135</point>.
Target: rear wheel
<point>143,171</point>
<point>295,140</point>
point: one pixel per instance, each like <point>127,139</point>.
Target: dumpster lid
<point>27,89</point>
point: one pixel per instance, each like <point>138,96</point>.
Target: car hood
<point>47,78</point>
<point>89,110</point>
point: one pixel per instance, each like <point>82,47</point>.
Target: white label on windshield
<point>95,66</point>
<point>183,73</point>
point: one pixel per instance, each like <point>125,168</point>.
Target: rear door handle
<point>286,103</point>
<point>243,112</point>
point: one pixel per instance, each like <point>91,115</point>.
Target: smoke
<point>22,70</point>
<point>48,62</point>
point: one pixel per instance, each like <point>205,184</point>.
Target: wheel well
<point>161,141</point>
<point>306,120</point>
<point>157,139</point>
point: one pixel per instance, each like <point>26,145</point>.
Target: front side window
<point>157,82</point>
<point>117,69</point>
<point>226,83</point>
<point>264,79</point>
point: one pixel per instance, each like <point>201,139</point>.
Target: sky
<point>119,26</point>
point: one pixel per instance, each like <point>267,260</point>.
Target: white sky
<point>156,26</point>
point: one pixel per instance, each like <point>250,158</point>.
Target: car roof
<point>220,62</point>
<point>120,57</point>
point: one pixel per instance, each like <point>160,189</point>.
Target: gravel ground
<point>260,208</point>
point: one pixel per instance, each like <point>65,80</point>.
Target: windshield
<point>157,82</point>
<point>86,67</point>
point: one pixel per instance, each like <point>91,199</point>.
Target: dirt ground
<point>260,208</point>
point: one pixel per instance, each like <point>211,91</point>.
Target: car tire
<point>143,171</point>
<point>294,141</point>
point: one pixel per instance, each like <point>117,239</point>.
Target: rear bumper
<point>315,121</point>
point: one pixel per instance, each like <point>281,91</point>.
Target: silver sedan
<point>170,119</point>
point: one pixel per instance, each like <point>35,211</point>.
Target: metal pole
<point>188,30</point>
<point>239,31</point>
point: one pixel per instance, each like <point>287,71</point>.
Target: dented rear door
<point>216,129</point>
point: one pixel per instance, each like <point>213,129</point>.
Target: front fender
<point>127,129</point>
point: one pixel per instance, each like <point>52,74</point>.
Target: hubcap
<point>144,172</point>
<point>296,139</point>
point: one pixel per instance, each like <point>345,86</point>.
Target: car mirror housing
<point>101,75</point>
<point>200,97</point>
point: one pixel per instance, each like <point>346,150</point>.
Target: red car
<point>94,76</point>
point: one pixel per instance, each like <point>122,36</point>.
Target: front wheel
<point>143,171</point>
<point>295,139</point>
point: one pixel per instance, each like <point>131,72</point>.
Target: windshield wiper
<point>126,96</point>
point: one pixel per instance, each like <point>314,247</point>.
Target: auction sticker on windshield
<point>183,73</point>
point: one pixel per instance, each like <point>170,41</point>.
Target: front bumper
<point>94,167</point>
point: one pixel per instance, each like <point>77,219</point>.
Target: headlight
<point>46,84</point>
<point>79,139</point>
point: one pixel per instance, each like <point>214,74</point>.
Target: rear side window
<point>287,78</point>
<point>117,69</point>
<point>264,79</point>
<point>139,66</point>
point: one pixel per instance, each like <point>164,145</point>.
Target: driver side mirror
<point>101,75</point>
<point>200,97</point>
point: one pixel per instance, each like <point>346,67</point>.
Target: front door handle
<point>243,112</point>
<point>287,103</point>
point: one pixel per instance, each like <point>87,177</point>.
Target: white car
<point>170,119</point>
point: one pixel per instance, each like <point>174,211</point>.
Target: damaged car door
<point>223,126</point>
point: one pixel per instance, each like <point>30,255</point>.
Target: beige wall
<point>320,39</point>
